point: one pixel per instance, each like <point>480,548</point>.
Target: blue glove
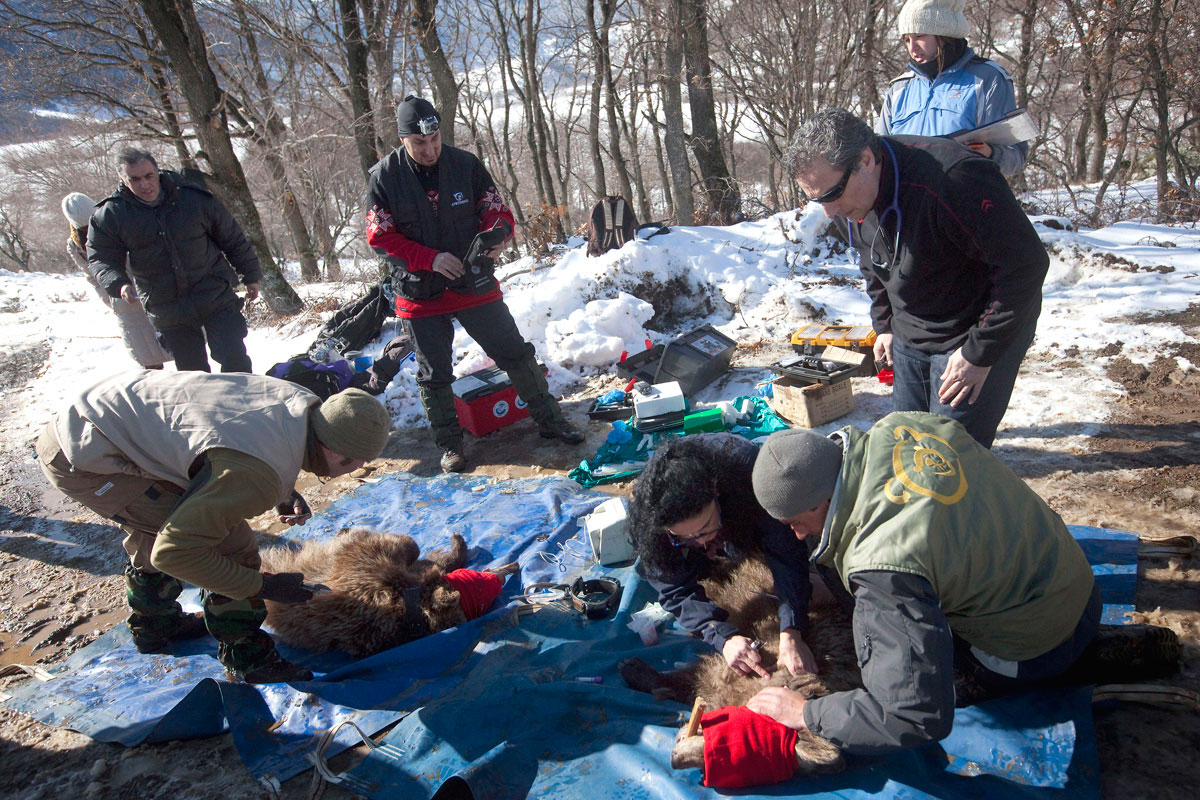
<point>620,434</point>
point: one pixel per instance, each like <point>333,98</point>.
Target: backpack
<point>613,223</point>
<point>323,380</point>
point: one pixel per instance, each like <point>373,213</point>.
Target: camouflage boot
<point>157,618</point>
<point>530,383</point>
<point>244,648</point>
<point>447,431</point>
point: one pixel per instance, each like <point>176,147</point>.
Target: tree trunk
<point>174,21</point>
<point>723,195</point>
<point>674,139</point>
<point>601,186</point>
<point>358,85</point>
<point>1160,100</point>
<point>270,133</point>
<point>603,57</point>
<point>445,86</point>
<point>381,42</point>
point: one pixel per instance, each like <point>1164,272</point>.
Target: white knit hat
<point>934,18</point>
<point>77,208</point>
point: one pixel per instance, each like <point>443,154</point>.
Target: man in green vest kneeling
<point>951,561</point>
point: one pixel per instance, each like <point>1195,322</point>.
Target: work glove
<point>294,510</point>
<point>285,587</point>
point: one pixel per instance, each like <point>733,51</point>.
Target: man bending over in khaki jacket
<point>180,461</point>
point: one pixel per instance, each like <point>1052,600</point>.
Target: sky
<point>756,282</point>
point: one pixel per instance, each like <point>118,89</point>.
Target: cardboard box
<point>807,405</point>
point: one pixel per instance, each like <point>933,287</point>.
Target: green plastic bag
<point>627,450</point>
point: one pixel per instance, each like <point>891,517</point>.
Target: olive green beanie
<point>352,423</point>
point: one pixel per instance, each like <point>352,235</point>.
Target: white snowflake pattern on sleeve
<point>490,201</point>
<point>379,220</point>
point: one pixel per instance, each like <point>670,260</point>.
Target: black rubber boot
<point>561,429</point>
<point>244,648</point>
<point>443,417</point>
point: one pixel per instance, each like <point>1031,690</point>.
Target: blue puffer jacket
<point>968,94</point>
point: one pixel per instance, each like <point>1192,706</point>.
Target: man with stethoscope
<point>953,266</point>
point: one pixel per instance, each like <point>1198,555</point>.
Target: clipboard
<point>1013,128</point>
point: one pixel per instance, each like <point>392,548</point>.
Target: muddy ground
<point>1139,470</point>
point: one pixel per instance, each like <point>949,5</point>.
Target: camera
<point>479,268</point>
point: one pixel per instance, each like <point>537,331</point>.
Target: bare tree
<point>186,49</point>
<point>445,84</point>
<point>358,84</point>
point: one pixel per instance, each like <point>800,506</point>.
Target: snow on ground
<point>756,282</point>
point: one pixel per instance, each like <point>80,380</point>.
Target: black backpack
<point>613,223</point>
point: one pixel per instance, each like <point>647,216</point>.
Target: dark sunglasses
<point>838,188</point>
<point>428,125</point>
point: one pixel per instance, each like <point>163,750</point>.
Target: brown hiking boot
<point>157,637</point>
<point>561,429</point>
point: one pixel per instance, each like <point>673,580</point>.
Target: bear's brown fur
<point>367,573</point>
<point>746,594</point>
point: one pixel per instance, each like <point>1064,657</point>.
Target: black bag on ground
<point>354,326</point>
<point>613,223</point>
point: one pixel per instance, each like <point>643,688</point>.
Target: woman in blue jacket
<point>947,87</point>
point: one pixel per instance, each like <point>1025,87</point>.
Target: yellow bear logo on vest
<point>926,465</point>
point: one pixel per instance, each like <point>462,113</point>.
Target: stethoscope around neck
<point>894,208</point>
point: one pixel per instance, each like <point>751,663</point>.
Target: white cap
<point>77,208</point>
<point>934,18</point>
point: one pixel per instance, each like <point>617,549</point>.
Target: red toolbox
<point>486,401</point>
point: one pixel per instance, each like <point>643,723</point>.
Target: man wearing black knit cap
<point>425,203</point>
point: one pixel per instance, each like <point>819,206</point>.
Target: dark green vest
<point>917,494</point>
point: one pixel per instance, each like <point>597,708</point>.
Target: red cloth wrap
<point>476,590</point>
<point>744,748</point>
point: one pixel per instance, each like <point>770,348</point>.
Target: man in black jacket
<point>170,245</point>
<point>426,203</point>
<point>953,266</point>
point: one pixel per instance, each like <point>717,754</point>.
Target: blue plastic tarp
<point>496,702</point>
<point>111,692</point>
<point>521,723</point>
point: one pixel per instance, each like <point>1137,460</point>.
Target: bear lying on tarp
<point>381,592</point>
